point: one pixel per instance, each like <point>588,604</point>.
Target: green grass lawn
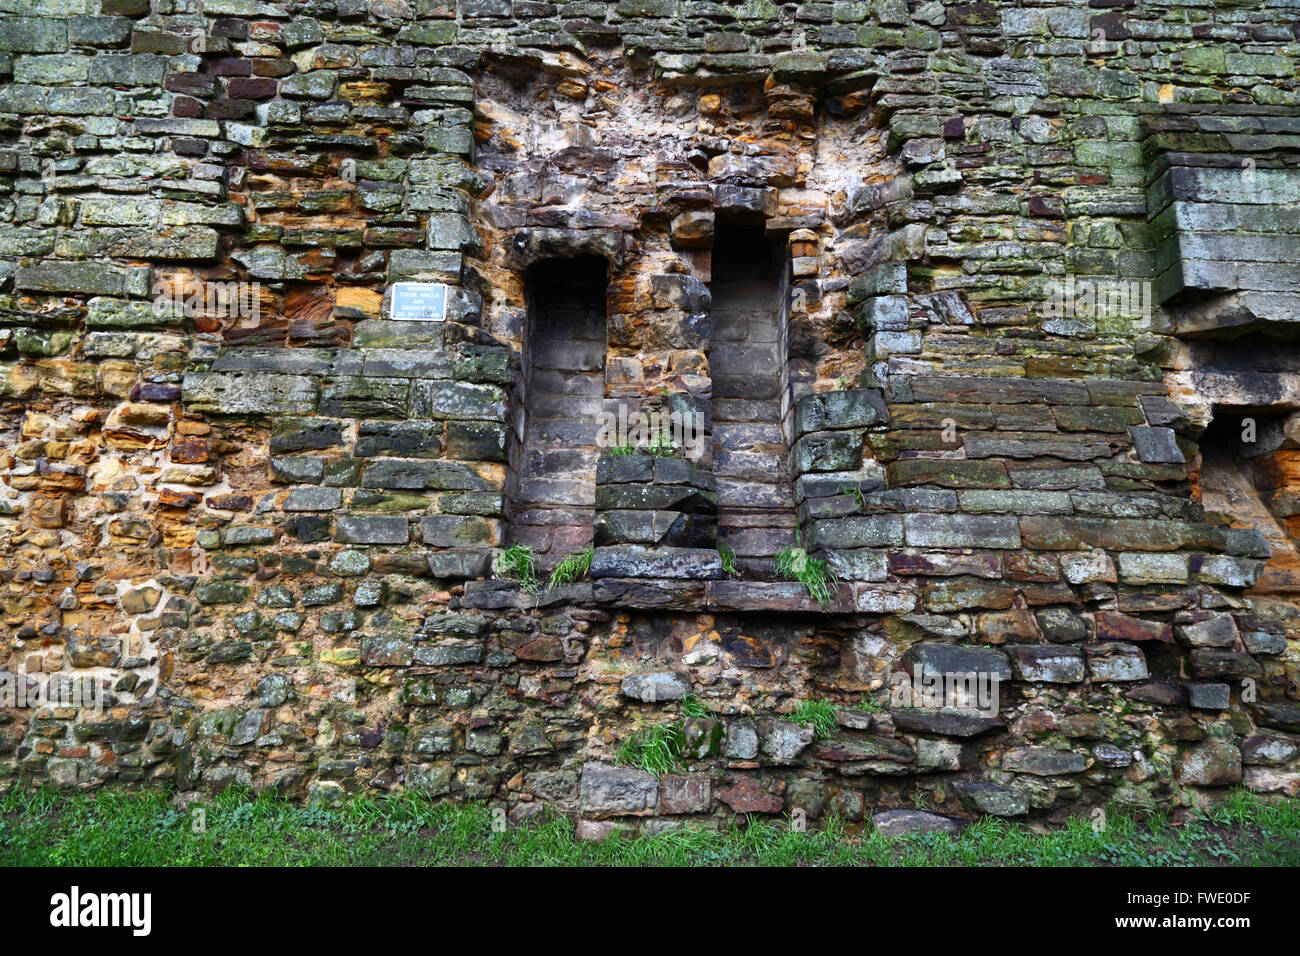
<point>142,829</point>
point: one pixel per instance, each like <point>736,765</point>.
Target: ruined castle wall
<point>255,518</point>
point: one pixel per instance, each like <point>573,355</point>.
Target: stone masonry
<point>1004,331</point>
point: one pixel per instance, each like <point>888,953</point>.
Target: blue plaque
<point>418,302</point>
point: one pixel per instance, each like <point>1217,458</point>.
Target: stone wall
<point>258,518</point>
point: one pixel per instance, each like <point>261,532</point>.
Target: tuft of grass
<point>656,749</point>
<point>517,563</point>
<point>819,715</point>
<point>690,706</point>
<point>662,447</point>
<point>813,573</point>
<point>572,568</point>
<point>870,705</point>
<point>856,492</point>
<point>142,828</point>
<point>728,557</point>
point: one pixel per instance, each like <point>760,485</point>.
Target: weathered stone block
<point>1043,761</point>
<point>1211,764</point>
<point>829,451</point>
<point>427,475</point>
<point>461,531</point>
<point>1053,664</point>
<point>631,561</point>
<point>655,687</point>
<point>873,531</point>
<point>741,741</point>
<point>949,723</point>
<point>685,793</point>
<point>783,742</point>
<point>50,275</point>
<point>932,658</point>
<point>1209,696</point>
<point>606,791</point>
<point>371,529</point>
<point>898,823</point>
<point>236,393</point>
<point>1212,663</point>
<point>363,397</point>
<point>1217,631</point>
<point>992,799</point>
<point>961,531</point>
<point>1137,568</point>
<point>33,34</point>
<point>460,400</point>
<point>1115,661</point>
<point>857,408</point>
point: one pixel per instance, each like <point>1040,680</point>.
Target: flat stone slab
<point>644,594</point>
<point>629,561</point>
<point>948,723</point>
<point>897,823</point>
<point>770,596</point>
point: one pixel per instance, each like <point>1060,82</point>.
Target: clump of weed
<point>819,715</point>
<point>690,706</point>
<point>572,568</point>
<point>517,563</point>
<point>656,749</point>
<point>814,574</point>
<point>728,557</point>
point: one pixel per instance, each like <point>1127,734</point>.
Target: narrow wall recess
<point>563,396</point>
<point>748,366</point>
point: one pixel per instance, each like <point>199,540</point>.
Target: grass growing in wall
<point>517,563</point>
<point>661,447</point>
<point>728,557</point>
<point>856,492</point>
<point>691,707</point>
<point>794,564</point>
<point>113,828</point>
<point>819,715</point>
<point>573,568</point>
<point>656,749</point>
